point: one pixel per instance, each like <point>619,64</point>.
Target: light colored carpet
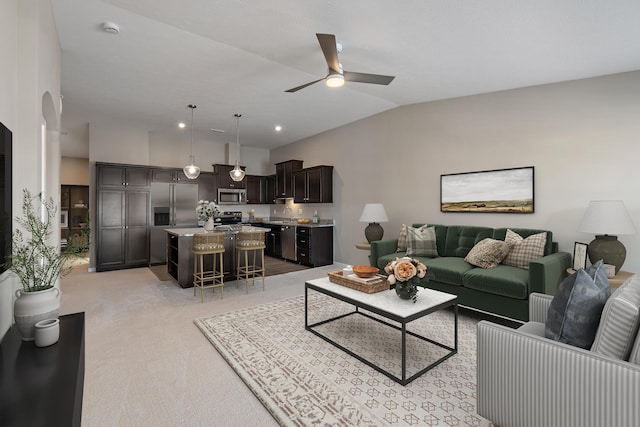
<point>146,362</point>
<point>306,381</point>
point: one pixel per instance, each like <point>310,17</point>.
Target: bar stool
<point>250,243</point>
<point>203,245</point>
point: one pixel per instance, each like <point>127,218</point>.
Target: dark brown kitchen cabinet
<point>255,189</point>
<point>314,245</point>
<point>122,217</point>
<point>224,179</point>
<point>123,229</point>
<point>313,185</point>
<point>208,187</point>
<point>122,176</point>
<point>284,177</point>
<point>270,189</point>
<point>170,175</point>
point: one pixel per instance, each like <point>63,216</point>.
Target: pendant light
<point>191,170</point>
<point>237,174</point>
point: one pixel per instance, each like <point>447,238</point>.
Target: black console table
<point>42,386</point>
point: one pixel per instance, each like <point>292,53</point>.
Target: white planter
<point>209,224</point>
<point>32,307</point>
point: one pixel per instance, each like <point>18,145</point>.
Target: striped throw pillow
<point>523,251</point>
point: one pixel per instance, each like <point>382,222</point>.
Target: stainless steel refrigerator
<point>172,206</point>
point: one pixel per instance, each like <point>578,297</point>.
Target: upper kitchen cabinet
<point>270,189</point>
<point>255,189</point>
<point>122,176</point>
<point>170,175</point>
<point>313,185</point>
<point>224,179</point>
<point>284,177</point>
<point>208,187</point>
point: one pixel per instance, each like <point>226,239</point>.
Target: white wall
<point>581,137</point>
<point>30,74</point>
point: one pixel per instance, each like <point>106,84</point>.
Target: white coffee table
<point>388,305</point>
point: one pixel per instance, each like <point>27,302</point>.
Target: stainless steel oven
<point>232,196</point>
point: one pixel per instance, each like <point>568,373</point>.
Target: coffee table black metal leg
<point>404,352</point>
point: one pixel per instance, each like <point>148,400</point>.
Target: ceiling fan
<point>336,76</point>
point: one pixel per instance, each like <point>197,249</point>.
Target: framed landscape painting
<point>500,190</point>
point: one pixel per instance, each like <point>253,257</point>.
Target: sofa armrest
<point>539,307</point>
<point>380,248</point>
<point>546,273</point>
<point>529,381</point>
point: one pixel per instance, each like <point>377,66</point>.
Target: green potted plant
<point>36,263</point>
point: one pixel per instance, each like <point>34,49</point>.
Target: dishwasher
<point>288,239</point>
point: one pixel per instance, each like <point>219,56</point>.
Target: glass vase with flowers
<point>405,273</point>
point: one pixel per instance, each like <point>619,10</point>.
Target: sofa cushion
<point>523,251</point>
<point>446,269</point>
<point>503,280</point>
<point>575,310</point>
<point>619,321</point>
<point>461,238</point>
<point>487,253</point>
<point>421,242</point>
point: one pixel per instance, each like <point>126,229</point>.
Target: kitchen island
<point>180,257</point>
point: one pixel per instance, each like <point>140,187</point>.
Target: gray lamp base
<point>608,249</point>
<point>373,232</point>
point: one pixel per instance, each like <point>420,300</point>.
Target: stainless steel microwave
<point>232,196</point>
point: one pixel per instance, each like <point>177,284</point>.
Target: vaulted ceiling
<point>240,56</point>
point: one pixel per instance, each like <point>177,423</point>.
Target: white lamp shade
<point>607,217</point>
<point>374,212</point>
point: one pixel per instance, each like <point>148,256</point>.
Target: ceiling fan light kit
<point>237,174</point>
<point>335,80</point>
<point>336,76</point>
<point>191,170</point>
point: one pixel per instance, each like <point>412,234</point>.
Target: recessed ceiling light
<point>278,128</point>
<point>181,125</point>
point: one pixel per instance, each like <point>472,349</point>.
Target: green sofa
<point>502,290</point>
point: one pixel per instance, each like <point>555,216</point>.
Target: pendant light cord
<point>238,137</point>
<point>193,107</point>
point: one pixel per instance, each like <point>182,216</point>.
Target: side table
<point>365,246</point>
<point>614,281</point>
<point>42,386</point>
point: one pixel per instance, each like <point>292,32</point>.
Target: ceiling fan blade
<point>295,89</point>
<point>328,46</point>
<point>377,79</point>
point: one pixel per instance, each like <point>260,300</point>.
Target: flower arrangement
<point>206,209</point>
<point>405,273</point>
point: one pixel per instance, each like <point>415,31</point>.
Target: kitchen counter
<point>189,232</point>
<point>180,257</point>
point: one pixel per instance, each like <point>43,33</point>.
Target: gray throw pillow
<point>487,253</point>
<point>422,242</point>
<point>574,313</point>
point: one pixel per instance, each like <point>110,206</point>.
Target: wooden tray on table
<point>362,285</point>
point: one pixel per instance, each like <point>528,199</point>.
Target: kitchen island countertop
<point>187,232</point>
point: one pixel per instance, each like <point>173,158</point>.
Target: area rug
<point>305,381</point>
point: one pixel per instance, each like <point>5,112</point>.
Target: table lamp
<point>606,219</point>
<point>374,214</point>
